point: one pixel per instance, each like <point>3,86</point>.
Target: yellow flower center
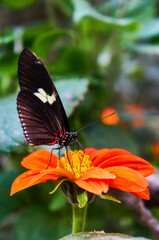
<point>76,162</point>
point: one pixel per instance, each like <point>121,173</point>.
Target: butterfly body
<point>65,140</point>
<point>39,106</point>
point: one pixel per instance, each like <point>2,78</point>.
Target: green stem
<point>79,217</point>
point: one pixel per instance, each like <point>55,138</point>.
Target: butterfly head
<point>67,138</point>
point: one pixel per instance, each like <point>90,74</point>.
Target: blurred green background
<point>100,54</point>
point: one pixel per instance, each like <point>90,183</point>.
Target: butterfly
<point>41,112</point>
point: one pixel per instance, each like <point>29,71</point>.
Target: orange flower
<point>110,120</point>
<point>92,170</point>
<point>138,114</point>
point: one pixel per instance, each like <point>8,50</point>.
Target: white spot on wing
<point>40,90</point>
<point>41,97</point>
<point>51,99</point>
<point>41,94</point>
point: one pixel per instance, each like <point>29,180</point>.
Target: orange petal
<point>105,154</point>
<point>93,186</point>
<point>104,185</point>
<point>92,152</point>
<point>39,160</point>
<point>97,173</point>
<point>131,161</point>
<point>24,180</point>
<point>89,151</point>
<point>127,179</point>
<point>144,194</point>
<point>61,172</point>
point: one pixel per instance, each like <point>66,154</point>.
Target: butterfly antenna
<point>89,124</point>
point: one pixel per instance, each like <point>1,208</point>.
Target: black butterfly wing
<point>40,109</point>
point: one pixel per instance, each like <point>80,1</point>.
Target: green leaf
<point>34,30</point>
<point>10,129</point>
<point>8,64</point>
<point>149,29</point>
<point>18,4</point>
<point>46,40</point>
<point>83,9</point>
<point>109,197</point>
<point>101,236</point>
<point>70,91</point>
<point>71,60</point>
<point>57,185</point>
<point>11,36</point>
<point>82,199</point>
<point>148,49</point>
<point>142,10</point>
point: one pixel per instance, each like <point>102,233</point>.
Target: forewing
<point>33,74</point>
<point>38,102</point>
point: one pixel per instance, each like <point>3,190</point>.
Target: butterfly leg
<point>51,155</point>
<point>78,144</point>
<point>69,160</point>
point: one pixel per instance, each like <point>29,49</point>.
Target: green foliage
<point>148,49</point>
<point>11,35</point>
<point>99,54</point>
<point>36,222</point>
<point>9,204</point>
<point>84,9</point>
<point>149,30</point>
<point>58,201</point>
<point>10,131</point>
<point>18,4</point>
<point>48,38</point>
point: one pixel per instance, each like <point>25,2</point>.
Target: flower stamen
<point>75,161</point>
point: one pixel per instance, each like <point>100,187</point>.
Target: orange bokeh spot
<point>110,120</point>
<point>137,112</point>
<point>155,151</point>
